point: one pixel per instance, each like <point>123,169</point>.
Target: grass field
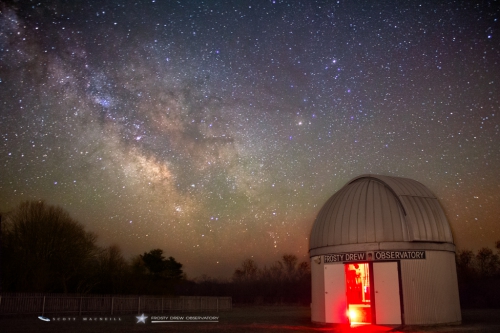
<point>240,319</point>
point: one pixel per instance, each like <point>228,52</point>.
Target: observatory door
<point>335,296</point>
<point>387,298</point>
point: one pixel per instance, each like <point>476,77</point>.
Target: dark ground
<point>240,319</point>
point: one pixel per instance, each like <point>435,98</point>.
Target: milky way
<point>216,130</point>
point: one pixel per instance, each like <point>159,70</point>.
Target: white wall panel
<point>317,290</point>
<point>430,289</point>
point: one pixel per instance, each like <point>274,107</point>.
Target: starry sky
<point>216,130</point>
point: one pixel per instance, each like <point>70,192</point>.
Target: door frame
<point>372,288</point>
<point>370,270</point>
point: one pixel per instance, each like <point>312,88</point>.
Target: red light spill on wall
<point>358,293</point>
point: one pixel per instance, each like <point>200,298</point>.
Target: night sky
<point>216,130</point>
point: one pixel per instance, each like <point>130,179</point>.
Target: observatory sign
<point>374,256</point>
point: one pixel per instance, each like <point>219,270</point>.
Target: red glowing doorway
<point>358,292</point>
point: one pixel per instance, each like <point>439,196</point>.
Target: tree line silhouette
<point>286,281</point>
<point>479,277</point>
<point>44,250</point>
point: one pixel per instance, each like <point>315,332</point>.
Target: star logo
<point>141,319</point>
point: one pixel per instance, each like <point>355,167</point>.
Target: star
<point>133,132</point>
<point>141,319</point>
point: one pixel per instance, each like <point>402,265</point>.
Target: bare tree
<point>487,262</point>
<point>46,249</point>
<point>247,272</point>
<point>290,261</point>
<point>111,271</point>
<point>465,264</point>
<point>284,281</point>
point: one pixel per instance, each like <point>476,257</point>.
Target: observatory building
<point>382,252</point>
